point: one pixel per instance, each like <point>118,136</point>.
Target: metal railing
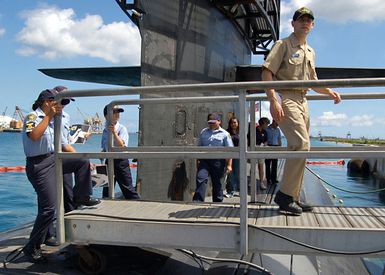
<point>194,152</point>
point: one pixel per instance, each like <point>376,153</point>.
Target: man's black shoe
<point>86,201</point>
<point>282,198</point>
<point>35,255</point>
<point>51,241</point>
<point>305,207</point>
<point>292,208</point>
<point>286,203</point>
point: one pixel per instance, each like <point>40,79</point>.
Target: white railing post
<point>243,245</point>
<point>253,162</point>
<point>60,229</point>
<point>110,166</point>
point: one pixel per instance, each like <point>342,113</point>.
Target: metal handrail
<point>234,98</point>
<point>240,152</point>
<point>227,87</point>
<point>192,154</point>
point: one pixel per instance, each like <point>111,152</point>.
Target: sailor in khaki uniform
<point>293,59</point>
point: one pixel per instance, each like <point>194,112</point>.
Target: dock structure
<point>243,226</point>
<point>215,226</point>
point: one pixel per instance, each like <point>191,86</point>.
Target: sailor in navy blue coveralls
<point>122,170</point>
<point>213,135</point>
<point>38,143</point>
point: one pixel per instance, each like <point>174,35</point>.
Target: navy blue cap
<point>213,118</point>
<point>60,88</point>
<point>46,94</point>
<point>117,109</point>
<point>301,12</point>
<point>66,100</point>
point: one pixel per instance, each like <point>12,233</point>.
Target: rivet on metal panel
<point>180,123</point>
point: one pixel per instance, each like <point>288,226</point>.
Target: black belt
<point>39,156</point>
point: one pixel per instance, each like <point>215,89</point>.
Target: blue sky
<point>76,33</point>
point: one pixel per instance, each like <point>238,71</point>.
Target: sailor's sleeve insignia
<point>30,125</point>
<point>31,117</point>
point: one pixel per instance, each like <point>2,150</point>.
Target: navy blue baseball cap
<point>66,100</point>
<point>302,12</point>
<point>213,118</point>
<point>46,94</point>
<point>116,109</point>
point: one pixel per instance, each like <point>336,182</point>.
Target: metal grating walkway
<point>216,227</point>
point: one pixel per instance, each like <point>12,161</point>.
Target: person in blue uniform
<point>122,169</point>
<point>273,139</point>
<point>213,135</point>
<point>67,178</point>
<point>38,143</point>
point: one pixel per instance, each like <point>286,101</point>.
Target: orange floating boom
<point>338,162</point>
<point>5,169</point>
<point>12,169</point>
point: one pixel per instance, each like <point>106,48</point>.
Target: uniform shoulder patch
<point>31,117</point>
<point>29,126</point>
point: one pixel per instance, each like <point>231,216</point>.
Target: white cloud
<point>379,121</point>
<point>2,31</point>
<point>54,33</point>
<point>340,11</point>
<point>349,10</point>
<point>26,51</point>
<point>363,120</point>
<point>330,119</point>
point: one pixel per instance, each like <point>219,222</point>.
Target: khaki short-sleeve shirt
<point>288,60</point>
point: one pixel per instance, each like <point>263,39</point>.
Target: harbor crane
<point>5,110</point>
<point>86,119</point>
<point>15,123</point>
<point>95,122</point>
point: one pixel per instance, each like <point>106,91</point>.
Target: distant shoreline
<point>361,141</point>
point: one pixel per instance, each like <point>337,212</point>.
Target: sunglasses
<point>64,101</point>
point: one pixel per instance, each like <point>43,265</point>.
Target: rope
<point>342,189</point>
<point>226,260</point>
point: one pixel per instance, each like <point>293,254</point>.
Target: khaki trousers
<point>295,127</point>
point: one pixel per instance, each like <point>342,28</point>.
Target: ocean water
<point>18,203</point>
<point>337,175</point>
<point>18,199</point>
